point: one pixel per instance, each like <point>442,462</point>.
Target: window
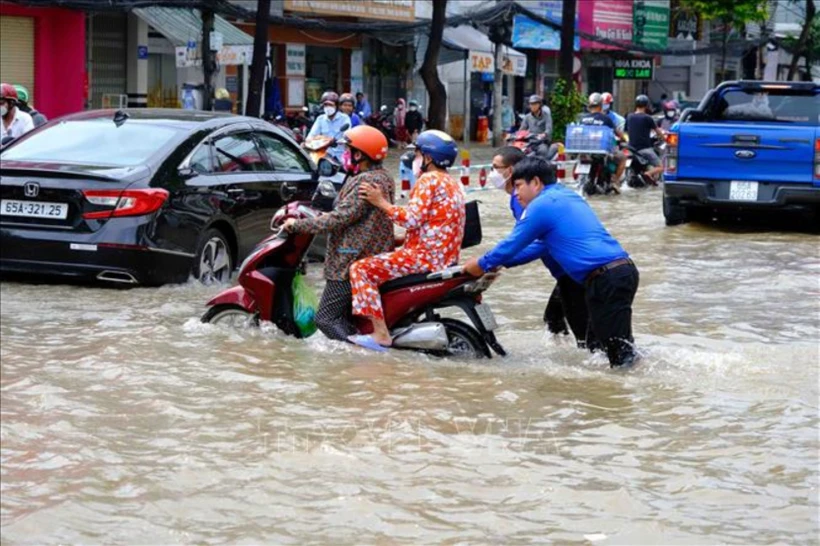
<point>237,153</point>
<point>201,160</point>
<point>281,156</point>
<point>770,105</point>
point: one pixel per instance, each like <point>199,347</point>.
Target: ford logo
<point>745,154</point>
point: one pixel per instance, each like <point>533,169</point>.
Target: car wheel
<point>213,263</point>
<point>673,212</point>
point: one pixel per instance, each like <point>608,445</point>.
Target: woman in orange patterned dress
<point>434,220</point>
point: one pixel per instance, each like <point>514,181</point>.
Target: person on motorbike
<point>24,105</point>
<point>671,114</point>
<point>13,121</point>
<point>331,123</point>
<point>562,223</point>
<point>539,120</point>
<point>414,120</point>
<point>619,120</point>
<point>566,303</point>
<point>434,219</point>
<point>346,105</point>
<point>356,228</point>
<point>640,126</point>
<point>595,116</point>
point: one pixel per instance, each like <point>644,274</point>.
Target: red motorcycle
<point>530,144</point>
<point>411,304</point>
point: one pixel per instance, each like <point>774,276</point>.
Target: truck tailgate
<point>764,152</point>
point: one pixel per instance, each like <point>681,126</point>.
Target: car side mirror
<point>327,168</point>
<point>325,196</point>
<point>186,173</point>
<point>690,114</point>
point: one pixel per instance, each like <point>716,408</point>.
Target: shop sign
<point>142,52</point>
<point>609,19</point>
<point>651,23</point>
<point>684,24</point>
<point>513,65</point>
<point>530,34</point>
<point>633,69</point>
<point>481,62</point>
<point>228,55</point>
<point>390,10</point>
<point>295,60</point>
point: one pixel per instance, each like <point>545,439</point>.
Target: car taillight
<point>817,158</point>
<point>672,140</point>
<point>124,202</point>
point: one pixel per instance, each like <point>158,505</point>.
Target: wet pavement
<point>126,420</point>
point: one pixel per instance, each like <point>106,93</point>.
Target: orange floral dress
<point>434,219</point>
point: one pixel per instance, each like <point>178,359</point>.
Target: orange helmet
<point>368,140</point>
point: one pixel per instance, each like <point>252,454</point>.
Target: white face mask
<point>417,166</point>
<point>3,111</point>
<point>330,110</point>
<point>670,114</point>
<point>413,108</point>
<point>497,179</point>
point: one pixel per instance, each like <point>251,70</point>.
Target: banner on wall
<point>609,19</point>
<point>651,23</point>
<point>530,34</point>
<point>228,55</point>
<point>295,60</point>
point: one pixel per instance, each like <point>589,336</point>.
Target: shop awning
<point>181,25</point>
<point>480,51</point>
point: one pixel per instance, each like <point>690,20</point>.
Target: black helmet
<point>330,96</point>
<point>641,100</point>
<point>536,99</point>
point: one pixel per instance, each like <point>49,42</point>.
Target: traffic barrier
<point>465,168</point>
<point>482,177</point>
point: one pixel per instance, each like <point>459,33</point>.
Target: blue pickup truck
<point>749,145</point>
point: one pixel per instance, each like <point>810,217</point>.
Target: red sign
<point>610,19</point>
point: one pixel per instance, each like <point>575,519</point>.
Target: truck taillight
<point>817,158</point>
<point>672,140</point>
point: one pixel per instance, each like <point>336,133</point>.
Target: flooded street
<point>126,420</point>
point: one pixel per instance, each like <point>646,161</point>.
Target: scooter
<point>593,171</point>
<point>411,304</point>
<point>319,145</point>
<point>637,165</point>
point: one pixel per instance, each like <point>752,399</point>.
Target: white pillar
<point>467,74</point>
<point>137,68</point>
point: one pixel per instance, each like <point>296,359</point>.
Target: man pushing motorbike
<point>357,229</point>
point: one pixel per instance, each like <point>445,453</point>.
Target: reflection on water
<point>125,420</point>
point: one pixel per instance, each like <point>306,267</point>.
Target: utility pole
<point>567,40</point>
<point>498,86</point>
<point>260,50</point>
<point>208,63</point>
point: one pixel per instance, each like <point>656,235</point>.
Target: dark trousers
<point>335,314</point>
<point>567,305</point>
<point>609,299</point>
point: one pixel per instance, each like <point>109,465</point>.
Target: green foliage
<point>732,13</point>
<point>812,43</point>
<point>565,103</point>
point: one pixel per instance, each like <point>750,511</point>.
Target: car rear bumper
<point>716,194</point>
<point>91,256</point>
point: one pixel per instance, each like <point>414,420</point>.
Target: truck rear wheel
<point>674,213</point>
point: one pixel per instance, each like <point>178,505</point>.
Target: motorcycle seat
<point>404,282</point>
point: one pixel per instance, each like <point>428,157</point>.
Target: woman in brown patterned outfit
<point>356,228</point>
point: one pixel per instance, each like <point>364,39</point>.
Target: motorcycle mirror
<point>327,168</point>
<point>345,127</point>
<point>6,140</point>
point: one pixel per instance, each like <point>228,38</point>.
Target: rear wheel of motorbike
<point>464,341</point>
<point>227,314</point>
<point>673,212</point>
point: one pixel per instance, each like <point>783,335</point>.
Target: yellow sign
<point>391,10</point>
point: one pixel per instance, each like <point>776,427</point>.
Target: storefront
<point>43,49</point>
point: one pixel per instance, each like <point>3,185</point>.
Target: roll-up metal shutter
<point>17,52</point>
<point>109,40</point>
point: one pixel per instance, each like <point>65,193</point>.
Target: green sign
<point>651,23</point>
<point>633,69</point>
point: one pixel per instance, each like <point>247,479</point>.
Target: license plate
<point>583,168</point>
<point>743,191</point>
<point>34,209</point>
<point>628,162</point>
<point>486,315</point>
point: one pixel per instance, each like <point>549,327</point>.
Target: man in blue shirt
<point>332,123</point>
<point>567,303</point>
<point>362,106</point>
<point>346,104</point>
<point>559,221</point>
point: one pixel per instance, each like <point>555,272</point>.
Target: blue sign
<point>142,52</point>
<point>529,34</point>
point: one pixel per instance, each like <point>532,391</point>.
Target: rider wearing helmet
<point>356,229</point>
<point>13,121</point>
<point>640,126</point>
<point>24,105</point>
<point>539,120</point>
<point>347,103</point>
<point>618,119</point>
<point>332,123</point>
<point>413,120</point>
<point>434,219</point>
<point>595,116</point>
<point>671,112</point>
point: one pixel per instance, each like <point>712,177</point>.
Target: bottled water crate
<point>589,139</point>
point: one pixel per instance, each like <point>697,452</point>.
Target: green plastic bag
<point>305,304</point>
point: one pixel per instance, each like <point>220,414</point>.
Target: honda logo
<point>745,154</point>
<point>31,189</point>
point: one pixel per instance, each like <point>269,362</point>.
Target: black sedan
<point>144,196</point>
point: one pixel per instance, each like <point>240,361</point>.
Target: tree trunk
<point>437,113</point>
<point>802,41</point>
<point>207,59</point>
<point>260,51</point>
<point>567,41</point>
<point>498,86</point>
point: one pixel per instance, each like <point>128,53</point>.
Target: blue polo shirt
<point>563,225</point>
<point>324,126</point>
<point>534,251</point>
